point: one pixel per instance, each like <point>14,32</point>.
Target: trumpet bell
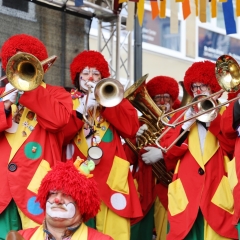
<point>227,73</point>
<point>109,92</point>
<point>25,72</point>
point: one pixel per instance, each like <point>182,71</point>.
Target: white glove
<point>188,114</point>
<point>12,97</point>
<point>141,130</point>
<point>152,155</point>
<point>91,102</point>
<point>91,94</point>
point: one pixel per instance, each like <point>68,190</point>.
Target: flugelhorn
<point>227,73</point>
<point>25,72</point>
<point>108,93</point>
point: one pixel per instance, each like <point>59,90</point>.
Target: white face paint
<point>60,210</point>
<point>88,74</point>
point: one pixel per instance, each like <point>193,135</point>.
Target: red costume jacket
<point>28,154</point>
<point>231,133</point>
<point>116,186</point>
<point>199,181</point>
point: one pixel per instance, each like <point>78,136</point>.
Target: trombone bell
<point>204,106</point>
<point>109,92</point>
<point>25,72</point>
<point>228,73</point>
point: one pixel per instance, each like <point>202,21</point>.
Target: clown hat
<point>91,59</point>
<point>82,189</point>
<point>22,43</point>
<point>202,72</point>
<point>161,85</point>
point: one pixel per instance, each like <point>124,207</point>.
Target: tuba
<point>138,96</point>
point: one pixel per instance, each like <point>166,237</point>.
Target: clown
<point>31,138</point>
<point>119,199</point>
<point>196,207</point>
<point>164,91</point>
<point>231,130</point>
<point>67,205</point>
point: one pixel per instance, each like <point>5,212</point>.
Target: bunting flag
<point>158,9</point>
<point>174,17</point>
<point>140,11</point>
<point>203,11</point>
<point>155,9</point>
<point>229,20</point>
<point>238,8</point>
<point>163,6</point>
<point>196,5</point>
<point>186,9</point>
<point>214,8</point>
<point>78,3</point>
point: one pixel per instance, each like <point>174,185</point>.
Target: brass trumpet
<point>108,93</point>
<point>227,73</point>
<point>25,72</point>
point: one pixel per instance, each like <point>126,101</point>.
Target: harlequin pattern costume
<point>28,154</point>
<point>230,129</point>
<point>200,191</point>
<point>149,189</point>
<point>116,186</point>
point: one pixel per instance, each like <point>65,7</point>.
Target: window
<point>20,9</point>
<point>21,5</point>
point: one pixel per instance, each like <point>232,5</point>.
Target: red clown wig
<point>22,43</point>
<point>161,85</point>
<point>176,104</point>
<point>202,72</point>
<point>66,178</point>
<point>91,59</point>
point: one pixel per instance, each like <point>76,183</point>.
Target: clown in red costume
<point>67,205</point>
<point>31,139</point>
<point>117,190</point>
<point>200,201</point>
<point>153,194</point>
<point>230,123</point>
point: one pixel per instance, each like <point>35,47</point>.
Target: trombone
<point>108,93</point>
<point>228,76</point>
<point>25,72</point>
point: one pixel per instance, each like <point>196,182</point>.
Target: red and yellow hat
<point>91,59</point>
<point>22,43</point>
<point>161,85</point>
<point>82,189</point>
<point>202,72</point>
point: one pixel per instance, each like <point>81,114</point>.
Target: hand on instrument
<point>141,130</point>
<point>152,155</point>
<point>90,103</point>
<point>92,85</point>
<point>12,97</point>
<point>188,114</point>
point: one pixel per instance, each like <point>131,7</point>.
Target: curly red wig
<point>176,104</point>
<point>65,177</point>
<point>161,85</point>
<point>202,72</point>
<point>89,59</point>
<point>22,43</point>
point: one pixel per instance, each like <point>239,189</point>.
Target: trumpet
<point>25,72</point>
<point>108,93</point>
<point>228,76</point>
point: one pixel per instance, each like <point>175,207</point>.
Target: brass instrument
<point>227,73</point>
<point>25,72</point>
<point>108,93</point>
<point>138,96</point>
